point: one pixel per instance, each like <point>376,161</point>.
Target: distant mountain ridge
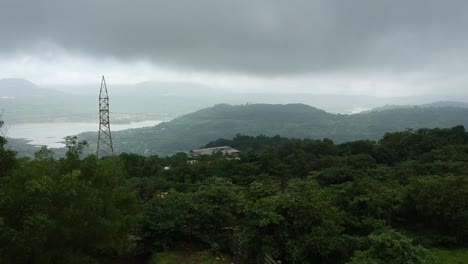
<point>291,120</point>
<point>15,87</point>
<point>435,104</point>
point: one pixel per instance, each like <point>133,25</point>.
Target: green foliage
<point>48,217</point>
<point>184,258</point>
<point>163,220</point>
<point>206,211</point>
<point>440,204</point>
<point>300,201</point>
<point>309,200</point>
<point>7,157</point>
<point>450,256</point>
<point>367,209</point>
<point>72,156</point>
<point>391,247</point>
<point>214,205</point>
<point>302,224</point>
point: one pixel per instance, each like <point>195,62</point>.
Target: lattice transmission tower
<point>104,144</point>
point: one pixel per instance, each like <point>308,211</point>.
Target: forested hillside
<point>403,199</point>
<point>292,120</point>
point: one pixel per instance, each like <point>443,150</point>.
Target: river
<point>51,134</point>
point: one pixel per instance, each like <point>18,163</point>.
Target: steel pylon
<point>104,144</point>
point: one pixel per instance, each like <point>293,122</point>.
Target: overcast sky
<point>384,48</point>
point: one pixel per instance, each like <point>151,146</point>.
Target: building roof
<point>210,151</point>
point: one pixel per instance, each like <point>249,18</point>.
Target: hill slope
<point>292,120</point>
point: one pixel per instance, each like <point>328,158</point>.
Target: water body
<point>51,134</point>
<point>358,110</point>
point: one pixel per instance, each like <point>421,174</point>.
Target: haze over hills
<point>292,120</point>
<point>14,87</point>
<point>24,101</point>
<point>184,97</point>
<point>434,104</point>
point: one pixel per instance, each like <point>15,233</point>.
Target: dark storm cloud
<point>256,37</point>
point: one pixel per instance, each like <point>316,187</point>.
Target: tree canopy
<point>298,200</point>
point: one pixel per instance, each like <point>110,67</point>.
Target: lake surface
<point>51,134</point>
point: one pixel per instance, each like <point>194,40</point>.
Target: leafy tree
<point>441,204</point>
<point>391,247</point>
<point>301,201</point>
<point>7,157</point>
<point>369,204</point>
<point>47,217</point>
<point>161,224</point>
<point>137,166</point>
<point>72,158</point>
<point>300,226</point>
<point>214,205</point>
<point>334,175</point>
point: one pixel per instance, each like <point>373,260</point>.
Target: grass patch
<point>451,256</point>
<point>202,257</point>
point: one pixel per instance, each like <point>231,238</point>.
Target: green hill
<point>291,120</point>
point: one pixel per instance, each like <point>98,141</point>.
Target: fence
<point>239,250</point>
<point>269,260</point>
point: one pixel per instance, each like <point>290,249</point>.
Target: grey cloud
<point>256,37</point>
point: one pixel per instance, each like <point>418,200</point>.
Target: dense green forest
<point>401,199</point>
<point>291,120</point>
